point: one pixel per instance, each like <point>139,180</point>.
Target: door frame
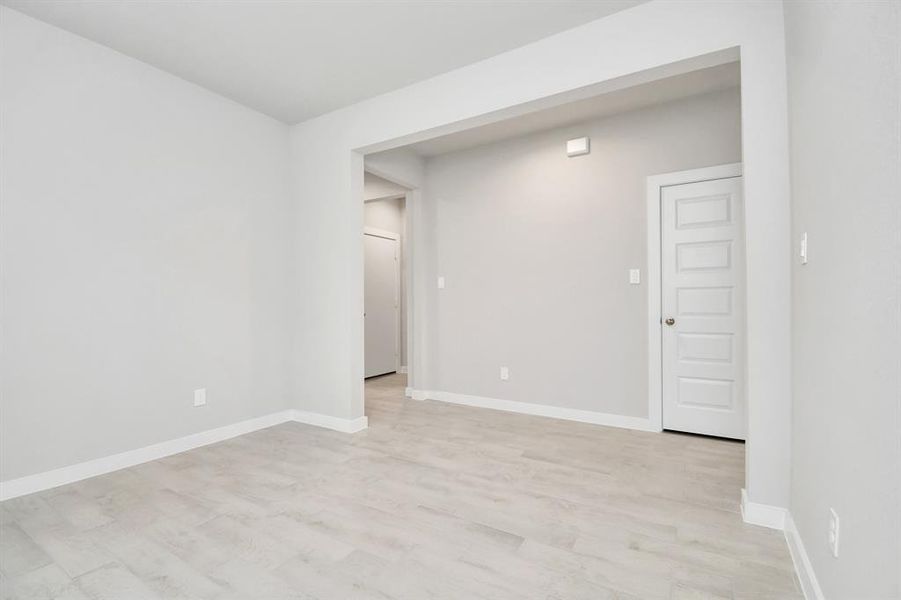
<point>655,183</point>
<point>390,235</point>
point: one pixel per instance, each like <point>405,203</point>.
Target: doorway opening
<point>385,235</point>
<point>440,290</point>
<point>530,294</point>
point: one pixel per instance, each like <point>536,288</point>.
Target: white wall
<point>536,249</point>
<point>390,215</point>
<point>145,252</point>
<point>845,97</point>
<point>659,35</point>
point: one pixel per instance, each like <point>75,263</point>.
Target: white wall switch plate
<point>634,276</point>
<point>804,249</point>
<point>200,397</point>
<point>833,532</point>
<point>441,283</point>
<point>505,373</point>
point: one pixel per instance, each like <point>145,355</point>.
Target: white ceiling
<point>297,59</point>
<point>702,81</point>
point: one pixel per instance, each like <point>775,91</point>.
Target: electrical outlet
<point>505,373</point>
<point>804,249</point>
<point>200,397</point>
<point>634,276</point>
<point>833,532</point>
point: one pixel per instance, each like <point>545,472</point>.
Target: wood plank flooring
<point>432,501</point>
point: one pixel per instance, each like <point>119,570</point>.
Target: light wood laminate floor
<point>432,501</point>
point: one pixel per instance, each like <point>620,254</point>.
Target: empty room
<point>573,299</point>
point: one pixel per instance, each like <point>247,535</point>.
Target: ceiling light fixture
<point>578,147</point>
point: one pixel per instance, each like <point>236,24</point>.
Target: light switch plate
<point>833,532</point>
<point>200,397</point>
<point>804,249</point>
<point>505,373</point>
<point>634,276</point>
<point>441,283</point>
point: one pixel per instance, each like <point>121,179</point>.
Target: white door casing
<point>381,302</point>
<point>702,307</point>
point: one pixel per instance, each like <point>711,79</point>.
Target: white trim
<point>655,356</point>
<point>330,422</point>
<point>99,466</point>
<point>408,392</point>
<point>402,370</point>
<point>542,410</point>
<point>803,567</point>
<point>776,517</point>
<point>30,484</point>
<point>764,515</point>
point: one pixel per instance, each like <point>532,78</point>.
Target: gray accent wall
<point>845,102</point>
<point>536,248</point>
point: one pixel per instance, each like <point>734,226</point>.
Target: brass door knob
<point>670,321</point>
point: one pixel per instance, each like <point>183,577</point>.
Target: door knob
<point>670,321</point>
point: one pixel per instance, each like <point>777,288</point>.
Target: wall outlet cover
<point>200,397</point>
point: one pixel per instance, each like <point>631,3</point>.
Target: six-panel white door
<point>703,278</point>
<point>381,299</point>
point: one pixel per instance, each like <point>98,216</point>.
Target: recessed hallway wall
<point>536,249</point>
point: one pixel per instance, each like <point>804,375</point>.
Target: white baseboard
<point>329,422</point>
<point>402,370</point>
<point>803,567</point>
<point>30,484</point>
<point>776,517</point>
<point>764,515</point>
<point>541,410</point>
